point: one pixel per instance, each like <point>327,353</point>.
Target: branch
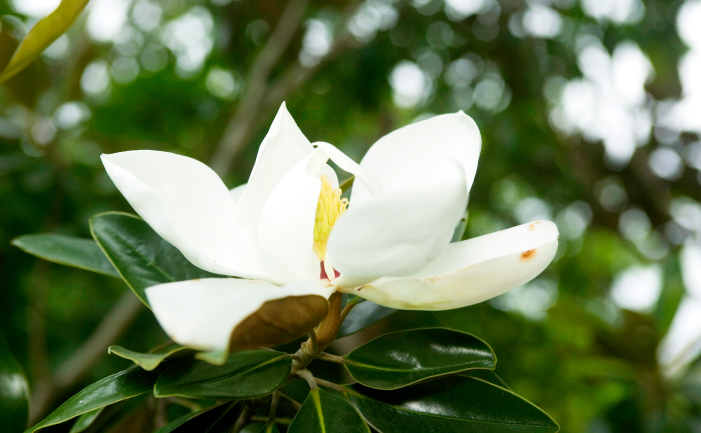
<point>241,125</point>
<point>283,421</point>
<point>74,369</point>
<point>328,384</point>
<point>243,419</point>
<point>292,402</point>
<point>299,74</point>
<point>307,375</point>
<point>331,358</point>
<point>273,406</point>
<point>246,119</point>
<point>347,309</point>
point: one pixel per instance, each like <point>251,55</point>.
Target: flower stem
<point>313,342</point>
<point>347,309</point>
<point>328,329</point>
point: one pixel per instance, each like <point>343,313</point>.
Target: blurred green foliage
<point>172,74</point>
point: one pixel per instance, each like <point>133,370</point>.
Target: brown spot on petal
<point>528,255</point>
<point>532,226</point>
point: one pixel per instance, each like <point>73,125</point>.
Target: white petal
<point>236,192</point>
<point>203,313</point>
<point>370,182</point>
<point>400,158</point>
<point>400,233</point>
<point>471,271</point>
<point>286,228</point>
<point>282,148</point>
<point>187,204</point>
<point>331,175</point>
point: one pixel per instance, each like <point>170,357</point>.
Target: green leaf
<point>183,420</point>
<point>450,405</point>
<point>459,232</point>
<point>67,250</point>
<point>214,419</point>
<point>216,357</point>
<point>253,427</point>
<point>42,35</point>
<point>14,392</point>
<point>248,374</point>
<point>399,359</point>
<point>363,315</point>
<point>112,389</point>
<point>325,413</point>
<point>113,416</point>
<point>142,258</point>
<point>85,420</point>
<point>271,427</point>
<point>487,376</point>
<point>347,183</point>
<point>149,361</point>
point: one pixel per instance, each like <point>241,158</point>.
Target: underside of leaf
<point>278,322</point>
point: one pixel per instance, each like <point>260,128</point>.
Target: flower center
<point>330,207</point>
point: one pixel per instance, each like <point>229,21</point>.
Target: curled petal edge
<point>470,271</point>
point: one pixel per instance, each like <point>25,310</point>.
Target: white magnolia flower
<point>287,232</point>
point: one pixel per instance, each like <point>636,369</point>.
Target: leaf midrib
<point>48,422</point>
<point>150,262</point>
<point>316,398</point>
<point>231,375</point>
<point>369,366</point>
<point>458,419</point>
<point>361,396</point>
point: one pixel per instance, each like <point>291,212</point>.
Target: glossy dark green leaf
<point>363,315</point>
<point>248,374</point>
<point>487,376</point>
<point>323,412</point>
<point>149,361</point>
<point>108,416</point>
<point>138,418</point>
<point>43,33</point>
<point>14,391</point>
<point>451,405</point>
<point>401,358</point>
<point>347,183</point>
<point>215,419</point>
<point>270,427</point>
<point>112,389</point>
<point>142,258</point>
<point>67,250</point>
<point>85,420</point>
<point>254,427</point>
